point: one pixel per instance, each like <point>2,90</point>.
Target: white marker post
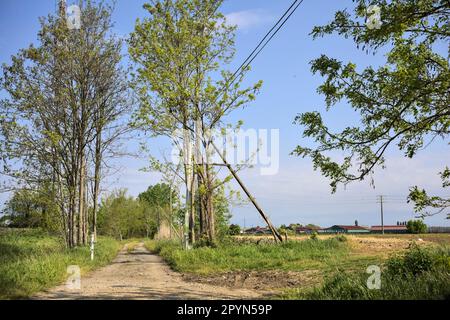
<point>92,247</point>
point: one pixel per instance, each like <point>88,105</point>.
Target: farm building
<point>307,230</point>
<point>389,229</point>
<point>439,229</point>
<point>257,230</point>
<point>345,229</point>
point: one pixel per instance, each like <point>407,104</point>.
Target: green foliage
<point>341,238</point>
<point>177,47</point>
<point>419,274</point>
<point>402,103</point>
<point>232,256</point>
<point>416,226</point>
<point>124,217</point>
<point>414,262</point>
<point>32,261</point>
<point>32,209</point>
<point>234,230</point>
<point>159,195</point>
<point>314,236</point>
<point>222,212</point>
<point>181,49</point>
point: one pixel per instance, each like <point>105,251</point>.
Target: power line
<point>246,62</point>
<point>261,45</point>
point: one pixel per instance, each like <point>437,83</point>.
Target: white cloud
<point>248,19</point>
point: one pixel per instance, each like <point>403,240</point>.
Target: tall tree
<point>64,96</point>
<point>180,50</point>
<point>403,104</point>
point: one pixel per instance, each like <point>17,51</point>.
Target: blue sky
<point>296,193</point>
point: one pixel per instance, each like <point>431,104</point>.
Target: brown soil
<point>270,281</point>
<point>383,246</point>
<point>139,274</point>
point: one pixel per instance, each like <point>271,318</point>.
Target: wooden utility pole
<point>381,211</point>
<point>274,231</point>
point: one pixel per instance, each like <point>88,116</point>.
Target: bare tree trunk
<point>187,153</point>
<point>81,186</point>
<point>210,206</point>
<point>73,205</point>
<point>98,158</point>
<point>193,207</point>
<point>85,206</point>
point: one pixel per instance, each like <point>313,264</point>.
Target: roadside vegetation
<point>231,255</point>
<point>33,260</point>
<point>420,272</point>
<point>417,274</point>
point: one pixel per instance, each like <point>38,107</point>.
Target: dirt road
<point>139,275</point>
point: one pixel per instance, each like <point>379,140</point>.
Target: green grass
<point>290,256</point>
<point>31,261</point>
<point>419,274</point>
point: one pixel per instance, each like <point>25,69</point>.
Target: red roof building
<point>389,229</point>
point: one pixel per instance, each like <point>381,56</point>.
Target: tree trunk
<point>81,193</point>
<point>98,158</point>
<point>188,180</point>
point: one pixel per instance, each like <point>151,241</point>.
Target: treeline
<point>119,215</point>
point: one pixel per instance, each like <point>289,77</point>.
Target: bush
<point>341,238</point>
<point>234,230</point>
<point>418,274</point>
<point>416,226</point>
<point>314,236</point>
<point>414,262</point>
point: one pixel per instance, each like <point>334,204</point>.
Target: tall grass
<point>295,256</point>
<point>420,274</point>
<point>31,260</point>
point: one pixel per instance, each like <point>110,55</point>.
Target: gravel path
<point>140,275</point>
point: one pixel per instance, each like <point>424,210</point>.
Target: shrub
<point>416,226</point>
<point>314,236</point>
<point>414,262</point>
<point>418,274</point>
<point>234,230</point>
<point>341,238</point>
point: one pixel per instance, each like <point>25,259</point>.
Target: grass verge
<point>290,256</point>
<point>31,261</point>
<point>418,274</point>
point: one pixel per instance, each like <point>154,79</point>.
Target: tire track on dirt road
<point>142,275</point>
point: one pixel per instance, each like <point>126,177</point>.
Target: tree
<point>234,230</point>
<point>403,103</point>
<point>124,217</point>
<point>32,209</point>
<point>159,195</point>
<point>63,110</point>
<point>416,226</point>
<point>162,205</point>
<point>184,93</point>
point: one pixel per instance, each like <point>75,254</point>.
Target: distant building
<point>439,229</point>
<point>306,230</point>
<point>389,229</point>
<point>345,229</point>
<point>257,230</point>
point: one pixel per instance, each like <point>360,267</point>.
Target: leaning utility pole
<point>274,231</point>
